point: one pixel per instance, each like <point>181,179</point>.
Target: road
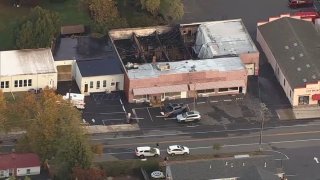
<point>200,139</point>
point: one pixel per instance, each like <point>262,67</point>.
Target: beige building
<point>91,62</point>
<point>99,75</point>
<point>22,70</point>
<point>292,49</point>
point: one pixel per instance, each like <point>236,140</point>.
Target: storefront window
<point>303,100</point>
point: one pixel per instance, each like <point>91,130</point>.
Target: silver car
<point>189,117</point>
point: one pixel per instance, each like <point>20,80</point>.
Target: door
<point>117,86</point>
<point>250,69</point>
<point>85,88</point>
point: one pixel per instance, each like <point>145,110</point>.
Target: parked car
<point>147,151</point>
<point>178,150</point>
<point>189,117</point>
<point>173,109</point>
<point>300,3</point>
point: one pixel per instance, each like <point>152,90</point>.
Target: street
<point>289,142</point>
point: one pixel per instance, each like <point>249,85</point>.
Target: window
<point>234,89</point>
<point>91,84</point>
<point>112,84</point>
<point>104,83</point>
<point>223,89</point>
<point>25,84</point>
<point>30,82</point>
<point>98,85</point>
<point>284,82</point>
<point>7,84</point>
<point>20,83</point>
<point>16,83</point>
<point>1,173</point>
<point>28,171</point>
<point>2,84</point>
<point>303,100</point>
<point>290,93</point>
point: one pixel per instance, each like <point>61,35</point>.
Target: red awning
<point>316,97</point>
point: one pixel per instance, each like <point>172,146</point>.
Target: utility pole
<point>262,113</point>
<point>194,96</point>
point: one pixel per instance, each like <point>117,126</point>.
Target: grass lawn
<point>135,17</point>
<point>71,12</point>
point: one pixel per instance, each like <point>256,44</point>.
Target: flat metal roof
<point>26,61</point>
<point>150,70</point>
<point>223,38</point>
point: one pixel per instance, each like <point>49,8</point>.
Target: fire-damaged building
<point>186,60</point>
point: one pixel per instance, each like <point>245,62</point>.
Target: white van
<point>76,99</point>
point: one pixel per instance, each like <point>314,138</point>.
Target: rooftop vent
<point>193,68</point>
<point>298,69</point>
<point>292,58</point>
<point>295,44</point>
<point>301,55</point>
<point>304,80</point>
<point>314,76</point>
<point>286,47</point>
<point>163,67</point>
<point>308,65</point>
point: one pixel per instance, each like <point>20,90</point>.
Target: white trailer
<point>76,99</point>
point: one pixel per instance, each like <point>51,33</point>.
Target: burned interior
<point>157,45</point>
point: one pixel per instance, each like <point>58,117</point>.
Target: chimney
<point>154,59</point>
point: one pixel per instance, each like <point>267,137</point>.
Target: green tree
<point>171,9</point>
<point>151,6</point>
<point>3,109</point>
<point>105,15</point>
<point>55,133</point>
<point>37,30</point>
<point>91,173</point>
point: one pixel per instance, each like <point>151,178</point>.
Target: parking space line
<point>123,106</point>
<point>135,115</point>
<point>201,102</point>
<point>114,113</point>
<point>227,100</point>
<point>145,107</point>
<point>149,114</point>
<point>214,101</point>
<point>112,119</point>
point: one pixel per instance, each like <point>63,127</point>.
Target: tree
<point>38,30</point>
<point>151,6</point>
<point>105,14</point>
<point>171,9</point>
<point>97,149</point>
<point>88,174</point>
<point>3,108</point>
<point>55,133</point>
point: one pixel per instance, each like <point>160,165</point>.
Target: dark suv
<point>173,109</point>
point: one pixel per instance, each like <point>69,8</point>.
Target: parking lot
<point>213,111</point>
<point>104,109</point>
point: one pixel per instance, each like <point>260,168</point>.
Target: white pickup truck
<point>76,99</point>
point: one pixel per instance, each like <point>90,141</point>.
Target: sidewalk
<point>299,113</point>
<point>111,128</point>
